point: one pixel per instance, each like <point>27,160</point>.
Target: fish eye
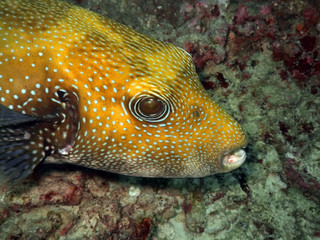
<point>149,108</point>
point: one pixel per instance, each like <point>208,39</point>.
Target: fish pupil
<point>151,106</point>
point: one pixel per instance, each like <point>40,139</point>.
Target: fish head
<point>177,123</point>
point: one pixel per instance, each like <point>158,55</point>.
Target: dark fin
<point>10,117</point>
<point>21,145</point>
<point>26,140</point>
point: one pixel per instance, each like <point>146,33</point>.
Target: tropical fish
<point>79,88</point>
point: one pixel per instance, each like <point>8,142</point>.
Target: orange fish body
<point>79,88</point>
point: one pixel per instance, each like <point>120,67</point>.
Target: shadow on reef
<point>190,184</point>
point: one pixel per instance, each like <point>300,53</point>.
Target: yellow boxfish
<point>76,87</point>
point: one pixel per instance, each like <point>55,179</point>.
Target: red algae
<point>301,179</point>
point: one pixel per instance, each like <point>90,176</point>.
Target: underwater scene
<point>159,119</point>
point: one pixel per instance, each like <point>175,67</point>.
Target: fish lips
<point>231,160</point>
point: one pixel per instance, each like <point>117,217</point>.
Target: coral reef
<point>260,61</point>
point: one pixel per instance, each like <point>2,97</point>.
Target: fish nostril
<point>196,113</point>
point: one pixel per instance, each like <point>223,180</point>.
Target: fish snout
<point>231,160</point>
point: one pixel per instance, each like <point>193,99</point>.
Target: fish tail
<point>21,145</point>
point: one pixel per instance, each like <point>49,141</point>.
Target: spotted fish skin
<point>83,89</point>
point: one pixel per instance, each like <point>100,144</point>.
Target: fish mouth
<point>231,160</point>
